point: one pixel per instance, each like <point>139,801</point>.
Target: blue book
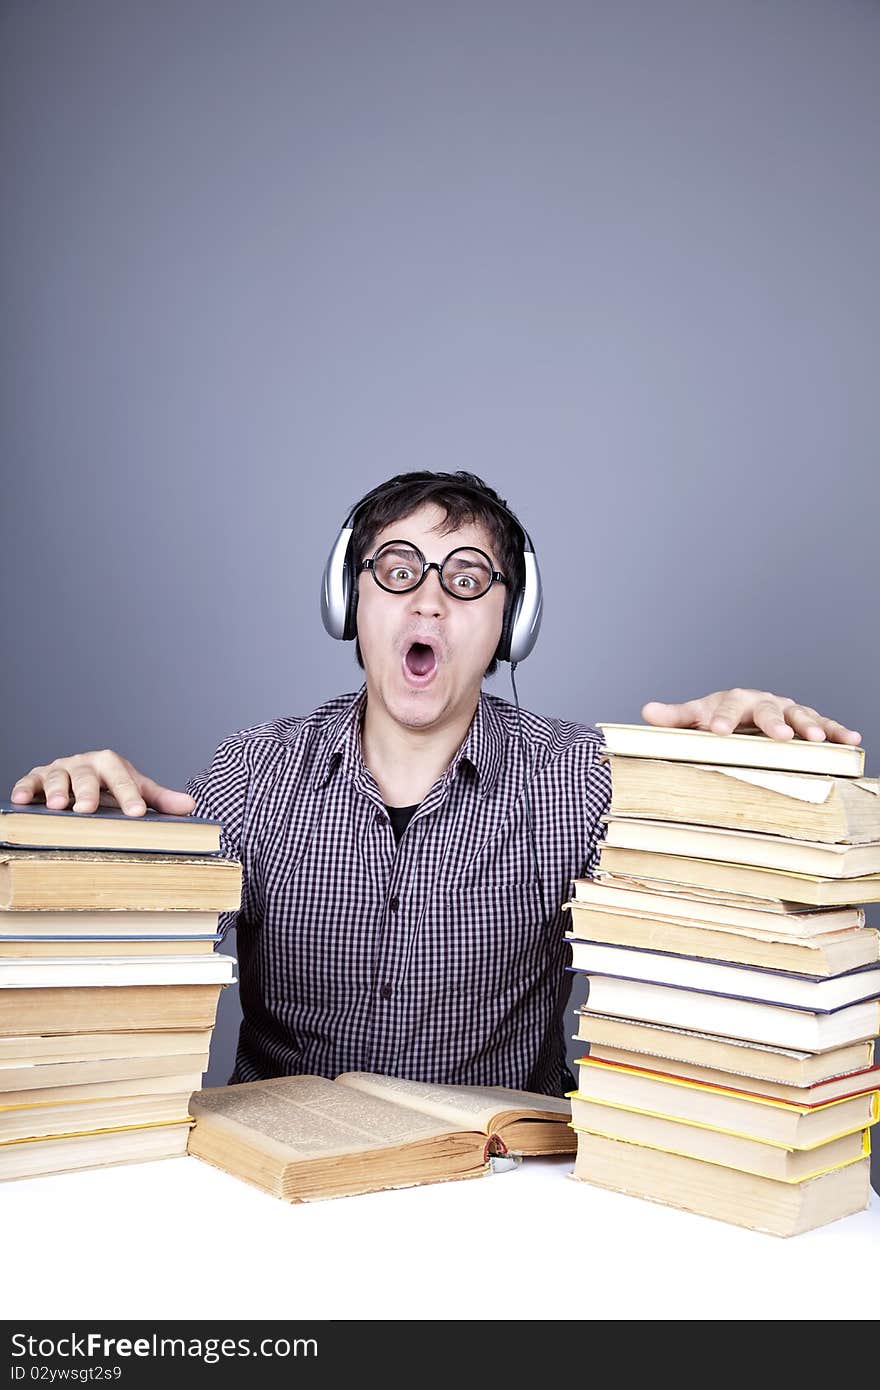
<point>36,826</point>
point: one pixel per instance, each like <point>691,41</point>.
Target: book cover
<point>713,1145</point>
<point>618,892</point>
<point>820,994</point>
<point>864,1085</point>
<point>729,1017</point>
<point>51,973</point>
<point>737,1197</point>
<point>71,880</point>
<point>747,880</point>
<point>773,950</point>
<point>743,750</point>
<point>754,848</point>
<point>665,1044</point>
<point>803,805</point>
<point>760,1121</point>
<point>34,825</point>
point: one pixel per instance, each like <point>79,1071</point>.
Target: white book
<point>723,1016</point>
<point>817,993</point>
<point>48,972</point>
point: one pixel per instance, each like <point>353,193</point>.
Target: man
<point>407,848</point>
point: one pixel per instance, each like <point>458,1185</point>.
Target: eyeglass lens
<point>398,567</point>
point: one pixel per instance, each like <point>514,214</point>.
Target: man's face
<point>424,651</point>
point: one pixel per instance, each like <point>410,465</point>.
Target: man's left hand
<point>757,711</point>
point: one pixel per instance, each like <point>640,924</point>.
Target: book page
<point>780,906</point>
<point>14,855</point>
<point>803,787</point>
<point>309,1117</point>
<point>467,1106</point>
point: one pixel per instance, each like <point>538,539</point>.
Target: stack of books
<point>732,987</point>
<point>109,983</point>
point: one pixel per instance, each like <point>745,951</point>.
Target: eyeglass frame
<point>495,576</point>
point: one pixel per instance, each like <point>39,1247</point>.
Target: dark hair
<point>403,494</point>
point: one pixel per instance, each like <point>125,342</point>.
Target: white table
<point>176,1239</point>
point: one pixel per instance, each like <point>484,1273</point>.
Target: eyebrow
<point>402,550</point>
<point>411,551</point>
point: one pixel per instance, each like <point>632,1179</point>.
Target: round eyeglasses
<point>466,573</point>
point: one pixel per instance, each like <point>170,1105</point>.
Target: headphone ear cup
<point>502,651</point>
<point>349,597</point>
<point>527,613</point>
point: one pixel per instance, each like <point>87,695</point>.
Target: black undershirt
<point>400,817</point>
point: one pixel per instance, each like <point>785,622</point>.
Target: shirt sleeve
<point>598,796</point>
<point>220,793</point>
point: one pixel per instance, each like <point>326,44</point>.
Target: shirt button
<point>379,818</point>
<point>386,991</point>
<point>395,903</point>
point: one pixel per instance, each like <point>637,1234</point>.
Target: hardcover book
<point>748,982</point>
<point>715,1145</point>
<point>35,825</point>
<point>789,1124</point>
<point>606,1034</point>
<point>686,902</point>
<point>741,750</point>
<point>834,1088</point>
<point>829,954</point>
<point>37,972</point>
<point>725,1194</point>
<point>84,925</point>
<point>107,1009</point>
<point>727,1017</point>
<point>747,880</point>
<point>744,847</point>
<point>137,1144</point>
<point>804,806</point>
<point>93,881</point>
<point>44,1120</point>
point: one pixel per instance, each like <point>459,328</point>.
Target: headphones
<point>522,610</point>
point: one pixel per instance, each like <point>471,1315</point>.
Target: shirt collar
<point>483,746</point>
<point>342,739</point>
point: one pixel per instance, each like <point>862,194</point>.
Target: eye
<point>401,572</point>
<point>466,581</point>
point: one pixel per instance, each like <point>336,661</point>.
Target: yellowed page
<point>469,1107</point>
<point>300,1117</point>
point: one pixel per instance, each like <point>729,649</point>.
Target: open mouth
<point>419,663</point>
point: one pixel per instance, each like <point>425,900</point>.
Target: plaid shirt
<point>427,959</point>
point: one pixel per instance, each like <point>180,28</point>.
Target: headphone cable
<point>522,746</point>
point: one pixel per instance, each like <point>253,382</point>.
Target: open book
<point>306,1137</point>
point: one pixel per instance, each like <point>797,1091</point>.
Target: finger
<point>684,716</point>
<point>86,789</point>
<point>26,788</point>
<point>56,785</point>
<point>115,775</point>
<point>839,733</point>
<point>124,786</point>
<point>769,717</point>
<point>165,799</point>
<point>806,722</point>
<point>730,710</point>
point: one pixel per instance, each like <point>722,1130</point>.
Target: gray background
<point>619,259</point>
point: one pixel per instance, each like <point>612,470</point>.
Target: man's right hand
<point>104,778</point>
